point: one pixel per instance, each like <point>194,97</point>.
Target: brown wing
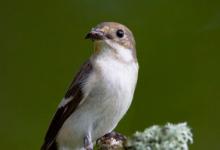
<point>63,112</point>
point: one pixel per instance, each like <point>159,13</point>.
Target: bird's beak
<point>95,35</point>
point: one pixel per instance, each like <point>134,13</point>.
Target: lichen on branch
<point>167,137</point>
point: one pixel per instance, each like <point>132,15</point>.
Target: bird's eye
<point>120,33</point>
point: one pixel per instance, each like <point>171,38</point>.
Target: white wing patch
<point>65,101</point>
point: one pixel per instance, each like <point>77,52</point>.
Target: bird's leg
<point>88,145</point>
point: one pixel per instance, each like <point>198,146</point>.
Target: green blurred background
<point>42,46</point>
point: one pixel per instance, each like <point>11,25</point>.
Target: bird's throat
<point>97,46</point>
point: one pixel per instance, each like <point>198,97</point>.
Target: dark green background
<point>42,46</point>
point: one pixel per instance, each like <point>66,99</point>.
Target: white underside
<point>108,94</point>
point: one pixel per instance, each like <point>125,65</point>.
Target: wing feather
<point>64,111</point>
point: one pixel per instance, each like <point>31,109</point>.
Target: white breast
<point>118,76</point>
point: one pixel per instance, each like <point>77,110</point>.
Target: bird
<point>101,92</point>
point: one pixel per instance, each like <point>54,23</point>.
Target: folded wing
<point>73,97</point>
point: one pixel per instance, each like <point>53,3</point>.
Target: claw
<point>88,143</point>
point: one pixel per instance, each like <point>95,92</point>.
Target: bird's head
<point>114,35</point>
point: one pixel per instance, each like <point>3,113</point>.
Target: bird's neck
<point>113,50</point>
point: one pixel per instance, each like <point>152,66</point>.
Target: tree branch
<point>167,137</point>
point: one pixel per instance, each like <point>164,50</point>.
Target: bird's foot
<point>88,143</point>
